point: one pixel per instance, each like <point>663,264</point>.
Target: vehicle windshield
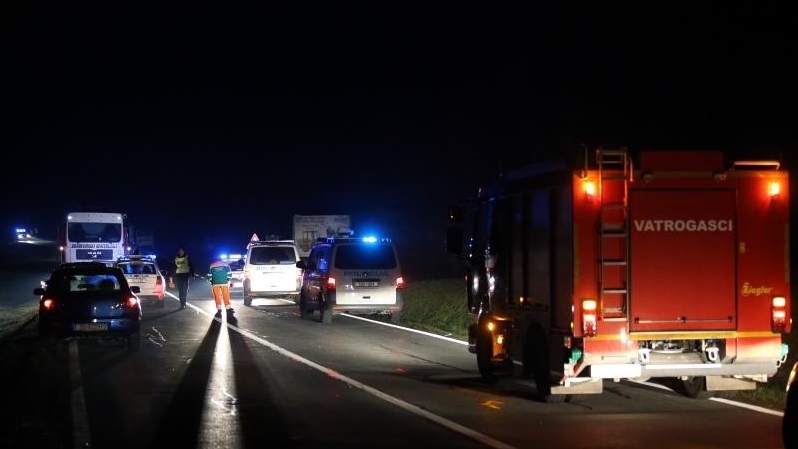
<point>94,232</point>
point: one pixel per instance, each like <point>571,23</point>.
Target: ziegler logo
<point>748,290</point>
<point>683,225</point>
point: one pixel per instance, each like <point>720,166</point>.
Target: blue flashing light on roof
<point>370,239</point>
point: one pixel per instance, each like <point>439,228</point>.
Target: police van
<point>355,275</point>
<point>270,270</point>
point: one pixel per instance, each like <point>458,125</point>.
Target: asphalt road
<point>271,379</point>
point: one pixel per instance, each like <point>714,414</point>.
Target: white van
<point>360,276</point>
<point>270,270</point>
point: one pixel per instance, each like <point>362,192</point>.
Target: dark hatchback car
<point>90,300</point>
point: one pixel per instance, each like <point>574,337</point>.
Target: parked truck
<point>308,228</point>
<point>673,264</point>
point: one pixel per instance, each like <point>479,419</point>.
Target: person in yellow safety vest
<point>220,274</point>
<point>184,270</point>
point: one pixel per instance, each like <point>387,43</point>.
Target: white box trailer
<point>308,228</point>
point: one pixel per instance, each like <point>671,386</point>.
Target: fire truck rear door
<point>682,260</point>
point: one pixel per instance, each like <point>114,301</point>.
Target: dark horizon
<point>208,124</point>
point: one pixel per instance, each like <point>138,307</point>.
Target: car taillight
<point>48,303</point>
<point>778,314</point>
<point>159,281</point>
<point>330,284</point>
<point>132,302</point>
<point>589,318</point>
<point>400,283</point>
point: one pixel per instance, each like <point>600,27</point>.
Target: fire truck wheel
<point>694,387</point>
<point>536,363</point>
<point>484,356</point>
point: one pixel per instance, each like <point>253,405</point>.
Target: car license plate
<point>91,327</point>
<point>366,283</point>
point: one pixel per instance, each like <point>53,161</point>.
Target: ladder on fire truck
<point>615,174</point>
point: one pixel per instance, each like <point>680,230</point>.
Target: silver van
<point>360,276</point>
<point>270,270</point>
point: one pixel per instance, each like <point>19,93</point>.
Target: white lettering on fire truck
<point>748,290</point>
<point>683,225</point>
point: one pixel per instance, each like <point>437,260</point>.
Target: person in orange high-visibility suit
<point>220,274</point>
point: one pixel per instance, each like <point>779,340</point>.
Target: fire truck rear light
<point>774,188</point>
<point>778,314</point>
<point>589,187</point>
<point>589,318</point>
<point>400,283</point>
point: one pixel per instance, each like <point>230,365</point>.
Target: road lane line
<point>463,430</point>
<point>81,436</point>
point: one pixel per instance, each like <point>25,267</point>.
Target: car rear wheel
<point>305,311</point>
<point>326,314</point>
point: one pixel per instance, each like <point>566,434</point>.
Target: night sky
<point>207,123</point>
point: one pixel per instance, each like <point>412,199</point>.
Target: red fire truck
<point>670,264</point>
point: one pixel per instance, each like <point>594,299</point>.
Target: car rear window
<point>373,257</point>
<point>272,255</point>
<point>77,282</point>
<point>137,268</point>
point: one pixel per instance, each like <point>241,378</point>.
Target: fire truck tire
<point>695,387</point>
<point>484,356</point>
<point>536,364</point>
